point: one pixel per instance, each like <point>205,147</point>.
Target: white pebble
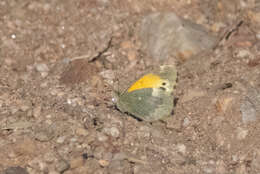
<point>41,67</point>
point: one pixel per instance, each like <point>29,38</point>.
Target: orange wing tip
<point>147,81</point>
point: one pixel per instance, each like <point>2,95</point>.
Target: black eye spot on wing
<point>163,83</point>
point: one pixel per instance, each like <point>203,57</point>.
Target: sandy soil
<point>61,60</point>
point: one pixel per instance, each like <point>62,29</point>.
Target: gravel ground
<point>61,60</point>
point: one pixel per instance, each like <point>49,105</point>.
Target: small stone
<point>157,133</point>
<point>77,162</point>
<point>82,132</point>
<point>114,132</point>
<point>61,139</point>
<point>241,133</point>
<point>120,156</point>
<point>41,67</point>
<point>49,157</point>
<point>15,170</point>
<point>144,132</point>
<point>223,103</point>
<point>126,45</point>
<point>255,16</point>
<point>181,148</point>
<point>108,75</point>
<point>244,53</point>
<point>14,110</point>
<point>165,34</point>
<point>120,167</point>
<point>244,44</point>
<point>27,146</point>
<point>37,111</point>
<point>44,74</point>
<point>9,62</point>
<point>44,133</point>
<point>17,125</point>
<point>220,139</point>
<point>186,122</point>
<point>98,152</point>
<point>74,139</point>
<point>101,137</point>
<point>62,166</point>
<point>131,55</point>
<point>107,156</point>
<point>103,163</point>
<point>248,111</point>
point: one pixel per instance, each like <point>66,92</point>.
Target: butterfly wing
<point>143,105</point>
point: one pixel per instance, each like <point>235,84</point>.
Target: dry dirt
<point>61,60</point>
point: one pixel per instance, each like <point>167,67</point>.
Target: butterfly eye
<point>163,83</point>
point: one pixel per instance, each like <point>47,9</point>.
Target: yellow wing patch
<point>147,81</point>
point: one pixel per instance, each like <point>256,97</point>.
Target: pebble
<point>250,106</point>
<point>165,34</point>
<point>243,53</point>
<point>248,111</point>
<point>186,122</point>
<point>9,61</point>
<point>44,133</point>
<point>120,156</point>
<point>62,166</point>
<point>157,132</point>
<point>61,139</point>
<point>108,75</point>
<point>17,125</point>
<point>113,131</point>
<point>107,156</point>
<point>101,137</point>
<point>131,55</point>
<point>98,152</point>
<point>74,139</point>
<point>37,111</point>
<point>82,132</point>
<point>241,133</point>
<point>181,148</point>
<point>26,146</point>
<point>120,167</point>
<point>103,163</point>
<point>77,162</point>
<point>15,170</point>
<point>223,103</point>
<point>41,67</point>
<point>144,132</point>
<point>126,44</point>
<point>49,157</point>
